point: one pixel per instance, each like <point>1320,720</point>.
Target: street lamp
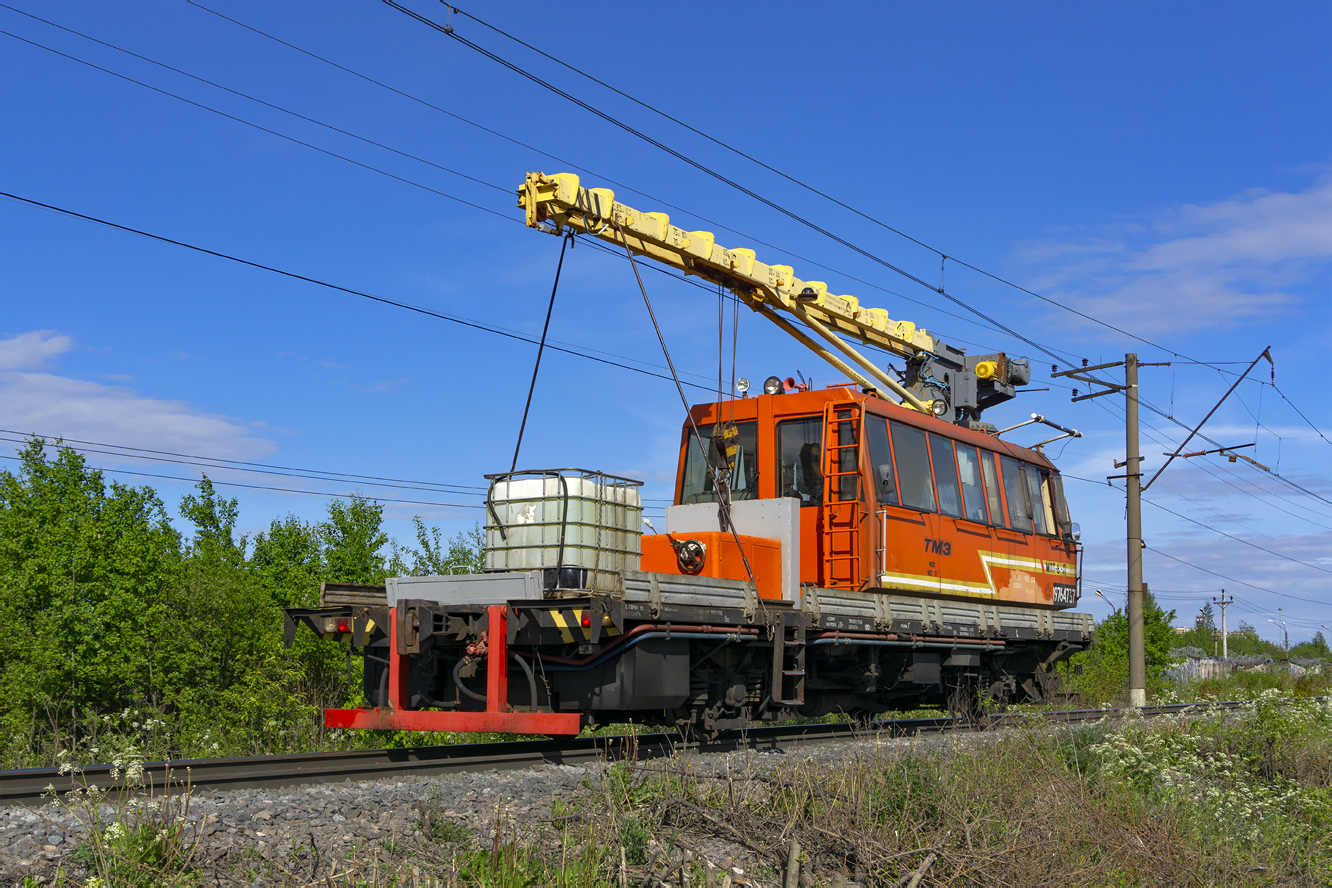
<point>1282,624</point>
<point>1111,603</point>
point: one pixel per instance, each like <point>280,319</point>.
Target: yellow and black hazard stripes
<point>574,625</point>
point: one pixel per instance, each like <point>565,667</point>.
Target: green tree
<point>1203,635</point>
<point>463,554</point>
<point>1244,642</point>
<point>1206,619</point>
<point>1315,647</point>
<point>353,538</point>
<point>1105,664</point>
<point>86,570</point>
<point>214,520</point>
<point>288,561</point>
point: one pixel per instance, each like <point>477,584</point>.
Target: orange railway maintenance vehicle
<point>869,546</point>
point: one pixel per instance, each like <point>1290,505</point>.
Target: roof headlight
<point>938,406</point>
<point>742,385</point>
<point>772,385</point>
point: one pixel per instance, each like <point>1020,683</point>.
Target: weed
<point>134,840</point>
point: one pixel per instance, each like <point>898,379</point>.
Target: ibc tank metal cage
<point>581,528</point>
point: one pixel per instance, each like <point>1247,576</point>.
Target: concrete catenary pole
<point>1225,648</point>
<point>1133,470</point>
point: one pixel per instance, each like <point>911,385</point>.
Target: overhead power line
<point>1301,413</point>
<point>372,142</point>
<point>1241,540</point>
<point>251,98</point>
<point>277,489</point>
<point>1292,484</point>
<point>476,325</point>
<point>614,121</point>
<point>792,179</point>
<point>1233,579</point>
<point>451,32</point>
<point>235,465</point>
<point>271,132</point>
<point>720,226</point>
<point>1221,533</point>
<point>1160,437</point>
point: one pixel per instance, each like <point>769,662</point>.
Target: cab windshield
<point>698,484</point>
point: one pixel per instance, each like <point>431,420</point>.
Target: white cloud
<point>1194,267</point>
<point>45,403</point>
<point>28,351</point>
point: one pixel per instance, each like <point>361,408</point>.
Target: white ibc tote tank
<point>580,527</point>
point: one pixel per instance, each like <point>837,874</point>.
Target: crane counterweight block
<point>940,379</point>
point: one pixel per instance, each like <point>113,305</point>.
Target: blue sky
<point>1162,168</point>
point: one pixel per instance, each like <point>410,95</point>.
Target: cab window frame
<point>941,450</point>
<point>979,483</point>
<point>873,422</point>
<point>816,497</point>
<point>1015,485</point>
<point>747,466</point>
<point>924,451</point>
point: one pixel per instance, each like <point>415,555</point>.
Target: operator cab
<point>889,497</point>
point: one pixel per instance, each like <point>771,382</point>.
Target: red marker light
<point>587,621</point>
<point>343,626</point>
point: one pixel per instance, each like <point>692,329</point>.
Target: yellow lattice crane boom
<point>939,379</point>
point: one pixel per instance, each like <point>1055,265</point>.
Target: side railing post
<point>497,657</point>
<point>397,683</point>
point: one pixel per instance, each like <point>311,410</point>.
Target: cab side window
<point>881,460</point>
<point>992,487</point>
<point>1061,505</point>
<point>945,476</point>
<point>800,460</point>
<point>915,486</point>
<point>969,474</point>
<point>1037,492</point>
<point>1015,491</point>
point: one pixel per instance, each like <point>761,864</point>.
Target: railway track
<point>28,786</point>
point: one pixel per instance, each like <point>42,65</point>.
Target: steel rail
<point>35,785</point>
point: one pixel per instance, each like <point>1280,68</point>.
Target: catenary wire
<point>251,98</point>
<point>333,286</point>
<point>239,466</point>
<point>257,126</point>
<point>1296,486</point>
<point>529,147</point>
<point>449,31</point>
<point>600,176</point>
<point>476,325</point>
<point>1235,538</point>
<point>278,489</point>
<point>233,463</point>
<point>802,184</point>
<point>352,135</point>
<point>722,178</point>
<point>1222,576</point>
<point>1284,480</point>
<point>208,462</point>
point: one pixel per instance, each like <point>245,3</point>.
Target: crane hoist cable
<point>719,482</point>
<point>540,348</point>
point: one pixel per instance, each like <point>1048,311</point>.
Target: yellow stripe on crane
<point>560,200</point>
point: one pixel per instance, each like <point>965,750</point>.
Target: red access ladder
<point>843,506</point>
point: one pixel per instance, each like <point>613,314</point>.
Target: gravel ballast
<point>308,833</point>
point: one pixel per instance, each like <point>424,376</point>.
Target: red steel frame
<point>498,717</point>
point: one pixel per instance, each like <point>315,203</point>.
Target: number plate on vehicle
<point>1065,594</point>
